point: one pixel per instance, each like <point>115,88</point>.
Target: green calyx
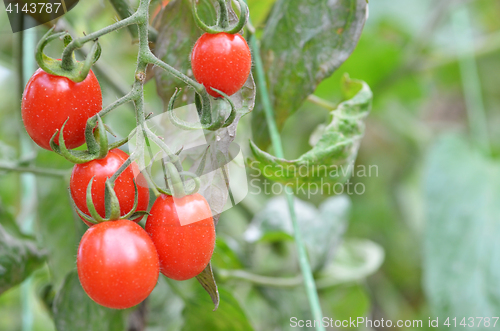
<point>111,203</point>
<point>67,67</point>
<point>211,118</point>
<point>96,148</point>
<point>175,178</point>
<point>223,24</point>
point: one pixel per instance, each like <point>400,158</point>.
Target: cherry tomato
<point>183,233</point>
<point>48,101</point>
<point>117,264</point>
<point>222,61</point>
<point>102,169</point>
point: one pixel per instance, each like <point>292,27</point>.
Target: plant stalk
<point>471,82</point>
<point>305,267</point>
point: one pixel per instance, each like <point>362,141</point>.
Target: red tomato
<point>184,250</point>
<point>48,101</point>
<point>222,61</point>
<point>117,264</point>
<point>101,170</point>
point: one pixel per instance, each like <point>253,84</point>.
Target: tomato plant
<point>183,232</point>
<point>102,169</point>
<point>222,61</point>
<point>117,264</point>
<point>48,101</point>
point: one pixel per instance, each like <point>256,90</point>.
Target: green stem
<point>123,100</point>
<point>321,102</point>
<point>224,16</point>
<point>261,280</point>
<point>67,55</point>
<point>174,72</point>
<point>309,283</point>
<point>36,171</point>
<point>123,9</point>
<point>470,80</point>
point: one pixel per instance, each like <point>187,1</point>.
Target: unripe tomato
<point>222,61</point>
<point>117,264</point>
<point>184,244</point>
<point>102,169</point>
<point>48,101</point>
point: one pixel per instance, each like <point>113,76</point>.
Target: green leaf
<point>303,43</point>
<point>74,310</point>
<point>354,260</point>
<point>461,252</point>
<point>164,308</point>
<point>59,228</point>
<point>224,255</point>
<point>322,228</point>
<point>331,160</point>
<point>206,279</point>
<point>198,314</point>
<point>19,257</point>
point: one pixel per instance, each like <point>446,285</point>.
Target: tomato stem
<point>223,24</point>
<point>175,182</point>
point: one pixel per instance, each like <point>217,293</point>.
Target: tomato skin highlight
<point>102,169</point>
<point>117,264</point>
<point>222,61</point>
<point>48,101</point>
<point>184,250</point>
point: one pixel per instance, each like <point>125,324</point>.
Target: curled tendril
<point>77,71</point>
<point>218,119</point>
<point>223,19</point>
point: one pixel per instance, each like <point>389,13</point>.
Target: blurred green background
<point>420,242</point>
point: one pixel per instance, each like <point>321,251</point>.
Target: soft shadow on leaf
<point>354,260</point>
<point>304,42</point>
<point>332,158</point>
<point>322,228</point>
<point>74,310</point>
<point>164,308</point>
<point>462,251</point>
<point>59,230</point>
<point>19,256</point>
<point>198,314</point>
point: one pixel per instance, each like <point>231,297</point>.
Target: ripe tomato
<point>222,61</point>
<point>184,250</point>
<point>117,264</point>
<point>48,101</point>
<point>101,170</point>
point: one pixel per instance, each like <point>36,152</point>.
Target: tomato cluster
<point>119,261</point>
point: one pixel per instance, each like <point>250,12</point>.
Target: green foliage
<point>322,228</point>
<point>461,272</point>
<point>59,228</point>
<point>19,255</point>
<point>74,310</point>
<point>198,314</point>
<point>331,159</point>
<point>299,52</point>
